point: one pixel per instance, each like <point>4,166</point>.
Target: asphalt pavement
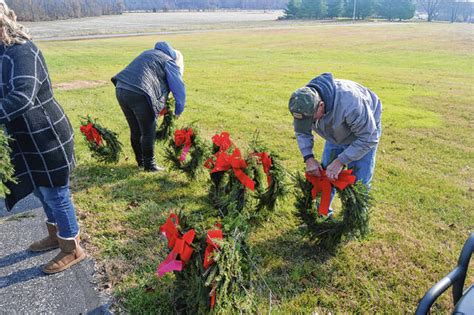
<point>24,289</point>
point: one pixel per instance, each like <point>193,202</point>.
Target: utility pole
<point>354,14</point>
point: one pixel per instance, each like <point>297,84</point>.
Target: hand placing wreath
<point>166,128</point>
<point>313,211</point>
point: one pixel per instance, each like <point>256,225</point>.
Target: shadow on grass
<point>85,176</point>
<point>297,264</point>
<point>124,177</point>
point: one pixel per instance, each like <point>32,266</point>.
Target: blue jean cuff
<point>69,238</point>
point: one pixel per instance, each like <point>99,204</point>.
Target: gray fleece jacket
<point>352,118</point>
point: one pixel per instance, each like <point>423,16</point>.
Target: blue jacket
<point>156,74</point>
<point>352,117</point>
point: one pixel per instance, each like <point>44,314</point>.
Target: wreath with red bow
<point>313,195</point>
<point>236,181</point>
<point>166,128</point>
<point>102,142</point>
<point>230,176</point>
<point>210,267</point>
<point>186,151</point>
<point>270,186</point>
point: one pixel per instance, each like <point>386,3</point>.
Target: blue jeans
<point>363,169</point>
<point>57,205</point>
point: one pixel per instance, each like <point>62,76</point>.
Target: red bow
<point>324,185</point>
<point>267,162</point>
<point>225,162</point>
<point>164,111</point>
<point>181,245</point>
<point>91,133</point>
<point>212,246</point>
<point>222,141</point>
<point>184,137</point>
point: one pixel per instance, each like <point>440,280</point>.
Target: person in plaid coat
<point>42,140</point>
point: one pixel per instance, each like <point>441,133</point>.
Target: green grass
<point>241,81</point>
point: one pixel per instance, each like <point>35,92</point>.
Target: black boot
<point>137,149</point>
<point>150,165</point>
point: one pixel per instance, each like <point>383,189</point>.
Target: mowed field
<point>130,23</point>
<point>240,81</point>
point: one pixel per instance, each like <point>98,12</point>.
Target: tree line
<point>447,10</point>
<point>360,9</point>
<point>164,5</point>
<point>39,10</point>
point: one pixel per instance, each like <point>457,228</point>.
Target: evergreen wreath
<point>184,141</point>
<point>329,232</point>
<point>270,186</point>
<point>102,142</point>
<point>218,275</point>
<point>227,192</point>
<point>6,168</point>
<point>229,278</point>
<point>166,128</point>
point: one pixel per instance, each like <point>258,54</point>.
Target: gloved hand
<point>313,167</point>
<point>334,169</point>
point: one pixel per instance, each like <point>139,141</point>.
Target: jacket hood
<point>166,48</point>
<point>326,88</point>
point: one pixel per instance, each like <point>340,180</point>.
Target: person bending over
<point>142,90</point>
<point>348,116</point>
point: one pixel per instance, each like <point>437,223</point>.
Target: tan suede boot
<point>71,253</point>
<point>48,243</point>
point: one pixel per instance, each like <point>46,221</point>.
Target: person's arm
<point>176,85</point>
<point>305,144</point>
<point>362,123</point>
<point>25,81</point>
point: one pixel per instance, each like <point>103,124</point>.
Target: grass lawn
<point>240,81</point>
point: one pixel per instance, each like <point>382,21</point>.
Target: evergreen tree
<point>406,10</point>
<point>313,9</point>
<point>334,8</point>
<point>364,8</point>
<point>396,9</point>
<point>292,10</point>
<point>387,9</point>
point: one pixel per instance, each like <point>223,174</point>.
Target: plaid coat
<point>42,138</point>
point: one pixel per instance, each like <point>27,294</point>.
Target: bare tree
<point>454,7</point>
<point>431,7</point>
<point>37,10</point>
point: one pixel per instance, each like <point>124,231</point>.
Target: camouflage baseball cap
<point>302,106</point>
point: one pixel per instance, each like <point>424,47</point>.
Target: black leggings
<point>141,120</point>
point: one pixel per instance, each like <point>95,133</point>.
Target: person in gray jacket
<point>344,113</point>
<point>142,90</point>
